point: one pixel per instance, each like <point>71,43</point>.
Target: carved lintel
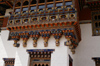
<point>45,42</point>
<point>57,42</point>
<point>35,43</point>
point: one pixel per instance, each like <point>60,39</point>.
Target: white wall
<point>8,45</point>
<point>2,52</point>
<point>59,56</point>
<point>88,47</point>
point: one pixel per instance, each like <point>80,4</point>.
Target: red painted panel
<point>5,22</point>
<point>85,14</point>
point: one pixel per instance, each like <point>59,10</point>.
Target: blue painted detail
<point>26,31</point>
<point>42,30</point>
<point>47,30</point>
<point>74,36</point>
<point>31,32</point>
<point>40,50</point>
<point>42,35</point>
<point>48,35</point>
<point>8,59</point>
<point>65,34</point>
<point>35,60</point>
<point>70,28</point>
<point>65,29</point>
<point>46,60</point>
<point>58,29</point>
<point>68,33</point>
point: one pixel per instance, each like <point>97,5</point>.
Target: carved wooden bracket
<point>35,43</point>
<point>57,35</point>
<point>25,37</point>
<point>57,42</point>
<point>15,43</point>
<point>46,42</point>
<point>68,42</point>
<point>16,38</point>
<point>45,35</point>
<point>71,40</point>
<point>25,42</point>
<point>35,35</point>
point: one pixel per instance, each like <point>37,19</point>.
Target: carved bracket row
<point>68,33</point>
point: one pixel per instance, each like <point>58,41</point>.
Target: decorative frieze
<point>40,57</point>
<point>9,61</point>
<point>57,33</point>
<point>40,53</point>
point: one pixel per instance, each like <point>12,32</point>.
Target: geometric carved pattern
<point>40,57</point>
<point>40,53</point>
<point>9,61</point>
<point>69,33</point>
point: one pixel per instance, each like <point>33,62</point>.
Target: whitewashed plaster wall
<point>59,56</point>
<point>3,53</point>
<point>88,47</point>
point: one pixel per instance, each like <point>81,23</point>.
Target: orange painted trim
<point>42,25</point>
<point>75,23</point>
<point>65,23</point>
<point>18,27</point>
<point>15,28</point>
<point>47,25</point>
<point>60,24</point>
<point>7,28</point>
<point>34,26</point>
<point>70,23</point>
<point>22,27</point>
<point>38,26</point>
<point>11,28</point>
<point>26,27</point>
<point>51,25</point>
<point>30,26</point>
<point>56,24</point>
